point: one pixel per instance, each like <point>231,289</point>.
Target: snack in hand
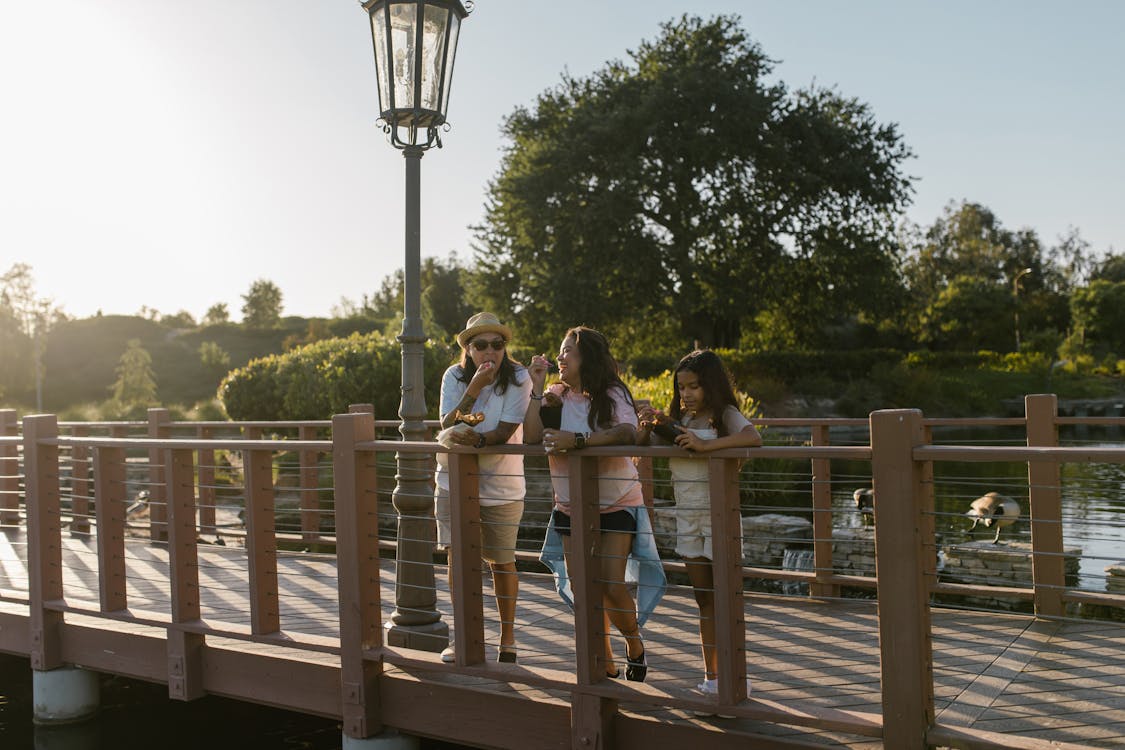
<point>666,428</point>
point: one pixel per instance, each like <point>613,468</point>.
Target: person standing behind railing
<point>704,417</point>
<point>597,410</point>
<point>488,382</point>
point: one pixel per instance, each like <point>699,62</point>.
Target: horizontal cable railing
<point>159,524</point>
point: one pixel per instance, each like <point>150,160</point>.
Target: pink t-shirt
<point>618,485</point>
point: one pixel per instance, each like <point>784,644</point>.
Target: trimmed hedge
<point>324,378</point>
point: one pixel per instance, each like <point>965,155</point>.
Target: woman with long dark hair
<point>597,410</point>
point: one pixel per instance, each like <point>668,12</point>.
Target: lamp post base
<point>432,636</point>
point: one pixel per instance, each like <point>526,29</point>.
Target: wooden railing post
<point>309,486</point>
<point>357,558</point>
<point>44,539</point>
<point>185,650</point>
<point>159,427</point>
<point>9,471</point>
<point>905,645</point>
<point>109,506</point>
<point>206,492</point>
<point>591,715</point>
<point>726,551</point>
<point>261,541</point>
<point>80,471</point>
<point>467,574</point>
<point>822,518</point>
<point>927,522</point>
<point>1048,567</point>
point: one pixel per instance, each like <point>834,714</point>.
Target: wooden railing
<point>901,454</point>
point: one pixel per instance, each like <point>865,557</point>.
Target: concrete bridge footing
<point>65,695</point>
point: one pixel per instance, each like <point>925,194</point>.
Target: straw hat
<point>484,322</point>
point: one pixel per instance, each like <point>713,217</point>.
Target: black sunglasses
<point>496,344</point>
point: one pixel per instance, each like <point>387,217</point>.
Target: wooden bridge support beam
<point>905,645</point>
<point>822,518</point>
<point>205,496</point>
<point>1048,566</point>
<point>160,428</point>
<point>591,715</point>
<point>9,471</point>
<point>80,484</point>
<point>467,573</point>
<point>726,550</point>
<point>261,541</point>
<point>185,649</point>
<point>44,539</point>
<point>357,555</point>
<point>309,484</point>
<point>109,489</point>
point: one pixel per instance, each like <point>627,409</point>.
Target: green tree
<point>261,306</point>
<point>25,322</point>
<point>445,305</point>
<point>1098,312</point>
<point>686,190</point>
<point>970,313</point>
<point>1109,268</point>
<point>182,319</point>
<point>215,359</point>
<point>216,314</point>
<point>969,242</point>
<point>136,381</point>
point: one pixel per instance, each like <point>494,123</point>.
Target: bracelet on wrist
<point>536,396</point>
<point>481,440</point>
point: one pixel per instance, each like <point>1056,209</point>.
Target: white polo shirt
<point>501,477</point>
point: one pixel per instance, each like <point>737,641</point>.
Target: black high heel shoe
<point>636,669</point>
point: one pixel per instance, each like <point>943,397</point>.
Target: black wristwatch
<point>481,440</point>
<point>579,440</point>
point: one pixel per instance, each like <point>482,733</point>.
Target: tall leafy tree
<point>136,381</point>
<point>217,314</point>
<point>445,304</point>
<point>681,192</point>
<point>25,321</point>
<point>1013,267</point>
<point>261,306</point>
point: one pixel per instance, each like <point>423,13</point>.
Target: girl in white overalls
<point>703,416</point>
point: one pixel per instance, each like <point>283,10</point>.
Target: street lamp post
<point>1016,302</point>
<point>415,42</point>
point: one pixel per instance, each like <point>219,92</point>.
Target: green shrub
<point>324,378</point>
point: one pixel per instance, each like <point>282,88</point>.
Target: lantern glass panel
<point>455,27</point>
<point>433,49</point>
<point>403,30</point>
<point>379,34</point>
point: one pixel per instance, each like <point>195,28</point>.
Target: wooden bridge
<point>303,615</point>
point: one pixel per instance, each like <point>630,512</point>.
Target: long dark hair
<point>718,392</point>
<point>599,374</point>
<point>507,375</point>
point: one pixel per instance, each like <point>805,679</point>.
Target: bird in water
<point>993,509</point>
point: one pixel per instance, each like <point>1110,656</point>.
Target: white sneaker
<point>448,655</point>
<point>710,689</point>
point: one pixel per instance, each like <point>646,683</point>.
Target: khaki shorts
<point>499,526</point>
<point>693,533</point>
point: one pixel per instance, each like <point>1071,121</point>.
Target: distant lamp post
<point>1016,300</point>
<point>415,44</point>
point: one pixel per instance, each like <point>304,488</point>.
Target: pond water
<point>1093,495</point>
<point>139,715</point>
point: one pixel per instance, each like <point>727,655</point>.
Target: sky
<point>167,155</point>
